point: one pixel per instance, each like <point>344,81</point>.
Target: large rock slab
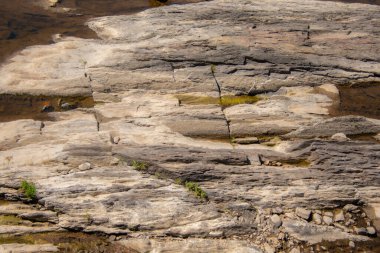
<point>121,167</point>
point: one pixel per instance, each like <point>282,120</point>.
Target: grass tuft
<point>137,165</point>
<point>29,189</point>
<point>198,191</point>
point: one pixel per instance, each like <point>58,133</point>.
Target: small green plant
<point>198,191</point>
<point>137,165</point>
<point>29,189</point>
<point>178,181</point>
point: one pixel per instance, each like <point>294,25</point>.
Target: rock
<point>349,125</point>
<point>112,238</point>
<point>42,216</point>
<point>114,161</point>
<point>349,222</point>
<point>313,234</point>
<point>53,3</point>
<point>277,210</point>
<point>317,218</point>
<point>140,78</point>
<point>303,213</point>
<point>339,216</point>
<point>327,220</point>
<point>351,244</point>
<point>295,250</point>
<point>47,108</point>
<point>116,140</point>
<point>245,141</point>
<point>216,234</point>
<point>84,166</point>
<point>340,137</point>
<point>350,208</point>
<point>276,221</point>
<point>68,106</point>
<point>328,214</point>
<point>371,231</point>
<point>360,231</point>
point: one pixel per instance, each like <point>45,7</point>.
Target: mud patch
<point>68,242</point>
<point>14,107</point>
<point>361,99</point>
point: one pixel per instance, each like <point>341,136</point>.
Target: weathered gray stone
<point>371,231</point>
<point>276,221</point>
<point>327,220</point>
<point>303,213</point>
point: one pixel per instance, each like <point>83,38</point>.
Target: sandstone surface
<point>158,79</point>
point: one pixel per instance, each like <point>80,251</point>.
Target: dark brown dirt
<point>23,23</point>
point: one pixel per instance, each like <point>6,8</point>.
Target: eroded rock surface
<point>148,167</point>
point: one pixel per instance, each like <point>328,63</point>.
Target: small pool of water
<point>361,99</point>
<point>23,23</point>
<point>14,107</point>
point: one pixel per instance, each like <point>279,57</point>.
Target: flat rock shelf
<point>219,126</point>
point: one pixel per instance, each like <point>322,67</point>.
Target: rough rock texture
<point>143,143</point>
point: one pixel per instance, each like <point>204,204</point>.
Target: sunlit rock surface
<point>292,54</point>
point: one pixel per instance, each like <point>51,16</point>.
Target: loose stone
<point>303,213</point>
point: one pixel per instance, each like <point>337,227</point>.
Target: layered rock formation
<point>155,163</point>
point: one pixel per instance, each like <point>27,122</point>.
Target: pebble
<point>53,3</point>
<point>317,218</point>
<point>114,161</point>
<point>47,108</point>
<point>361,231</point>
<point>276,220</point>
<point>68,106</point>
<point>216,233</point>
<point>327,220</point>
<point>371,231</point>
<point>339,216</point>
<point>340,137</point>
<point>245,141</point>
<point>328,214</point>
<point>116,140</point>
<point>84,166</point>
<point>350,208</point>
<point>351,244</point>
<point>112,238</point>
<point>277,210</point>
<point>303,213</point>
<point>348,216</point>
<point>350,222</point>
